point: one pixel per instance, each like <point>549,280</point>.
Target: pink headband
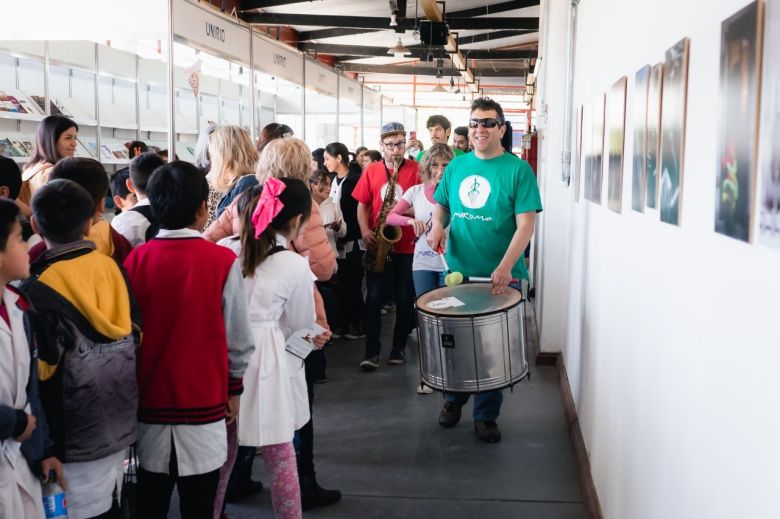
<point>268,206</point>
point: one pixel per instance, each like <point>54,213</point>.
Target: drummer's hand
<point>436,238</point>
<point>501,277</point>
<point>322,339</point>
<point>417,225</point>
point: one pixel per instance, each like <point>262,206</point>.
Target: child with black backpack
<point>138,224</point>
<point>87,330</point>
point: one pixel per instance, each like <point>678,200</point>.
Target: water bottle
<point>54,504</point>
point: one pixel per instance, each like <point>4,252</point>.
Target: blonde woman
<point>233,159</point>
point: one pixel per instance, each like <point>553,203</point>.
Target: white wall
<point>668,333</point>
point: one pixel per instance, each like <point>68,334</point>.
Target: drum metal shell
<point>471,352</point>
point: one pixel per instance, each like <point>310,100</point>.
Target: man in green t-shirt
<point>439,128</point>
<point>489,198</point>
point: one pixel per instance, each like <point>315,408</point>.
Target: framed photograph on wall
<point>769,146</point>
<point>654,97</point>
<point>639,116</point>
<point>594,184</point>
<point>616,136</point>
<point>576,156</point>
<point>586,166</point>
<point>673,108</point>
<point>740,62</point>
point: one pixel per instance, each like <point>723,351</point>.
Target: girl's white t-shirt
<point>425,258</point>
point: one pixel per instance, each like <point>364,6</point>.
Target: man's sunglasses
<point>485,123</point>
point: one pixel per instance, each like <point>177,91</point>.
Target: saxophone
<point>386,235</point>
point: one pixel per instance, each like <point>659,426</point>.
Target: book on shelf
<point>24,146</point>
<point>11,104</point>
<point>7,149</point>
<point>105,152</point>
<point>57,108</point>
<point>90,146</point>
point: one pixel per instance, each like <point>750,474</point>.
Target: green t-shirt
<point>483,198</point>
<point>456,151</point>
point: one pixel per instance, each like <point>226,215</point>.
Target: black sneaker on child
<point>487,431</point>
<point>450,415</point>
<point>396,358</point>
<point>370,363</point>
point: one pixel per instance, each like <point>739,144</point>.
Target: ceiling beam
<point>246,5</point>
<point>416,51</point>
<point>489,36</point>
<point>493,9</point>
<point>411,70</point>
<point>464,13</point>
<point>380,22</point>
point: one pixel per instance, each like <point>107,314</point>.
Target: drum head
<point>467,300</point>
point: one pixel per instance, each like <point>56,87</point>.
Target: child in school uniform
<point>91,175</point>
<point>87,331</point>
<point>278,284</point>
<point>23,428</point>
<point>196,345</point>
<point>123,198</point>
<point>138,224</point>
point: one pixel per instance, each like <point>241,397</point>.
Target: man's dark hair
<point>485,103</point>
<point>88,173</point>
<point>176,191</point>
<point>61,209</point>
<point>141,169</point>
<point>10,176</point>
<point>9,215</point>
<point>374,155</point>
<point>118,183</point>
<point>462,131</point>
<point>438,120</point>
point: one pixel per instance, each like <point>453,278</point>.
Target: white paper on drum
<point>447,302</point>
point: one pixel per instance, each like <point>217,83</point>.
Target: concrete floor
<point>379,443</point>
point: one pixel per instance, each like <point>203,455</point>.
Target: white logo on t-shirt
<point>474,191</point>
<point>399,192</point>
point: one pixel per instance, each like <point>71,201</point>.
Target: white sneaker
<point>422,389</point>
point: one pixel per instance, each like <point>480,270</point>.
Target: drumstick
<point>477,279</point>
<point>452,278</point>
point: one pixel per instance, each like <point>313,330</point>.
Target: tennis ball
<point>456,278</point>
<point>448,280</point>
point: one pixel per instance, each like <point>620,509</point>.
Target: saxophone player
<point>379,188</point>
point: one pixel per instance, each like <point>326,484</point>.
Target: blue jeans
<point>487,405</point>
<point>425,280</point>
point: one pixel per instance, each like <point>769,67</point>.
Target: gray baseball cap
<point>392,129</point>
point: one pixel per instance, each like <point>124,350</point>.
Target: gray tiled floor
<point>379,443</point>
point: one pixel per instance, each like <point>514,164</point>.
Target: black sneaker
<point>487,431</point>
<point>396,358</point>
<point>313,495</point>
<point>239,492</point>
<point>450,415</point>
<point>370,363</point>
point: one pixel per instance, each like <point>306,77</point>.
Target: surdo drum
<point>471,340</point>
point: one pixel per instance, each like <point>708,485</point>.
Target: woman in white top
<point>416,209</point>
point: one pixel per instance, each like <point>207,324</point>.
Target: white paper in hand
<point>300,342</point>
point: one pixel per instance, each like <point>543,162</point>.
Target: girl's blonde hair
<point>232,155</point>
<point>436,152</point>
<point>285,158</point>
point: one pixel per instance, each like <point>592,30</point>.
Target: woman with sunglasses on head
<point>485,193</point>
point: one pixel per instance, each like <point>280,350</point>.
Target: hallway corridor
<point>380,444</point>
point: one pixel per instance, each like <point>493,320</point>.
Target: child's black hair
<point>9,215</point>
<point>10,176</point>
<point>88,173</point>
<point>319,176</point>
<point>118,183</point>
<point>176,191</point>
<point>61,209</point>
<point>296,199</point>
<point>141,169</point>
